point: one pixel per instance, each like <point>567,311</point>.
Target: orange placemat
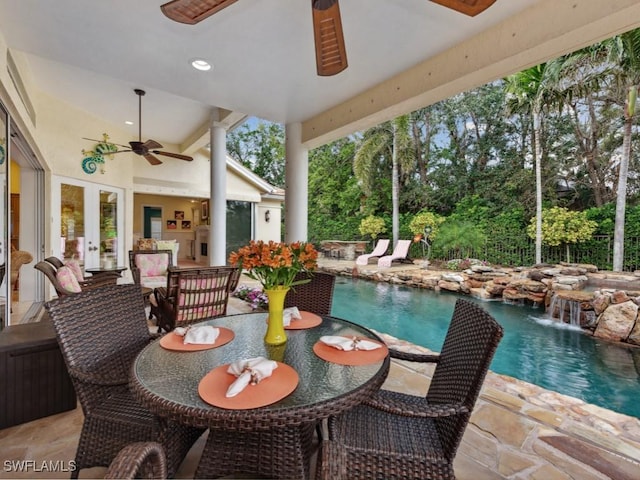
<point>352,357</point>
<point>213,387</point>
<point>308,320</point>
<point>171,341</point>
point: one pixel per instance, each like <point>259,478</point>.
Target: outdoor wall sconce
<point>267,216</point>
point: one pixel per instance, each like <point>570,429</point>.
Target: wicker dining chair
<point>193,294</point>
<point>396,435</point>
<point>88,283</point>
<point>139,460</point>
<point>100,332</point>
<point>315,296</point>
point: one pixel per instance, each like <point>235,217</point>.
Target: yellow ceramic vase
<point>276,334</point>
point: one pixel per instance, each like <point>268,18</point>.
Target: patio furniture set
<point>136,390</point>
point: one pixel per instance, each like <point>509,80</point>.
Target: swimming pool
<point>534,348</point>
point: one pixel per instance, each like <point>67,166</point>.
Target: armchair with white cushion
<point>149,268</point>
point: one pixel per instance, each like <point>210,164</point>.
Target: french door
<point>88,222</point>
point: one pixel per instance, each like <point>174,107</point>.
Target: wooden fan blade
<point>193,11</point>
<point>151,159</point>
<point>331,54</point>
<point>174,155</point>
<point>468,7</point>
<point>151,144</point>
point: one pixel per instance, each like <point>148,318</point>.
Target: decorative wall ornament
<point>95,157</point>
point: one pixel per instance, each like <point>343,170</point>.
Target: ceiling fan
<point>331,53</point>
<point>146,149</point>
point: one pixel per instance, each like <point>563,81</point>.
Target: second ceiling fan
<point>148,149</point>
<point>331,53</point>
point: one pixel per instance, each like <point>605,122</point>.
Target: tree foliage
<point>471,159</point>
<point>461,237</point>
<point>561,226</point>
<point>372,226</point>
<point>261,149</point>
<point>424,220</point>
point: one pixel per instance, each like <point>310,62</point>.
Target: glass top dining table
<point>166,382</point>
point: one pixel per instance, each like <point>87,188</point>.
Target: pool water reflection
<point>535,348</point>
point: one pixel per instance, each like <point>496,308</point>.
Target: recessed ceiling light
<point>200,64</point>
<point>128,122</point>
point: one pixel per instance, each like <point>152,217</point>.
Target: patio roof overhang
<point>546,30</point>
<point>403,55</point>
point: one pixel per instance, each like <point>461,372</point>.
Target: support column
<point>218,195</point>
<point>296,208</point>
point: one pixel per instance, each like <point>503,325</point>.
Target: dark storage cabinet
<point>34,382</point>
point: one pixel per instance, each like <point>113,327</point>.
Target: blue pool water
<point>534,348</point>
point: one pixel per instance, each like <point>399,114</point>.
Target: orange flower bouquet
<point>275,264</point>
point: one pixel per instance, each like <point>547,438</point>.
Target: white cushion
<point>154,281</point>
<point>172,245</point>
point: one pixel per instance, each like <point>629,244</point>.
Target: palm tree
<point>532,91</point>
<point>387,141</point>
<point>624,54</point>
<point>612,68</point>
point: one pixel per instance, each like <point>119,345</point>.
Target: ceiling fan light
<point>200,64</point>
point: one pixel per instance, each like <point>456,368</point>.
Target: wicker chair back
<point>89,283</point>
<point>194,294</point>
<point>465,356</point>
<point>55,261</point>
<point>133,263</point>
<point>100,332</point>
<point>315,296</point>
<point>413,437</point>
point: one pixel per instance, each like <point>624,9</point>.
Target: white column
<point>296,185</point>
<point>218,195</point>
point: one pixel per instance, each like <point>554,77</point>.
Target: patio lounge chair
<point>381,249</point>
<point>100,332</point>
<point>399,254</point>
<point>394,435</point>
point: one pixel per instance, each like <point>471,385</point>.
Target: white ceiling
<point>93,53</point>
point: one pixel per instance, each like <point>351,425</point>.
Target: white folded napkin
<point>348,344</point>
<point>204,334</point>
<point>290,314</point>
<point>251,370</point>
